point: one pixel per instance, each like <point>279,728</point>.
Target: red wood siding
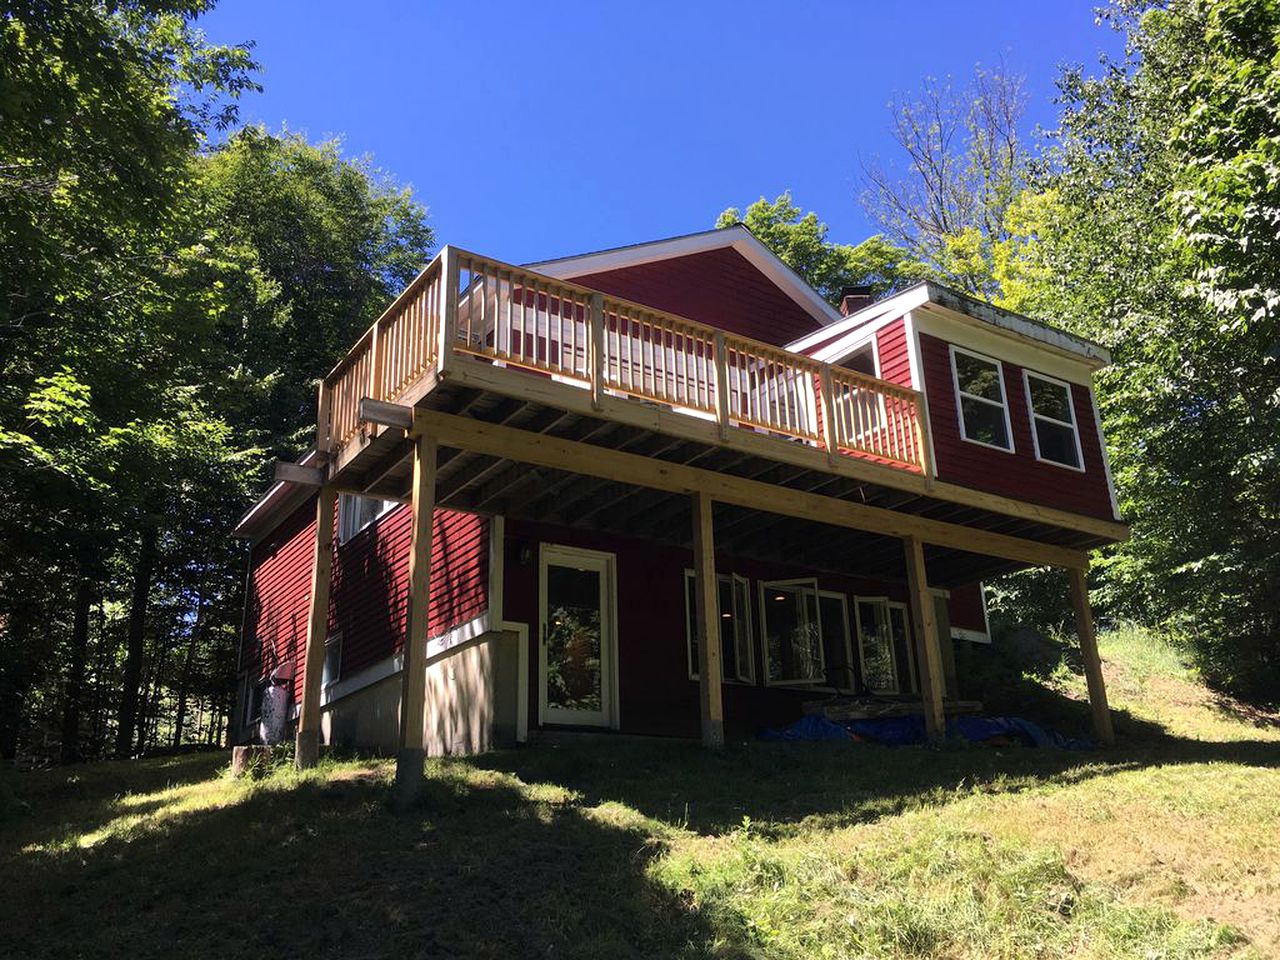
<point>1018,475</point>
<point>655,693</point>
<point>369,589</point>
<point>895,360</point>
<point>275,630</point>
<point>718,287</point>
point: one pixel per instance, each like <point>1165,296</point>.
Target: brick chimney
<point>853,299</point>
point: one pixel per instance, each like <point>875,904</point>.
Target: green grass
<point>1166,847</point>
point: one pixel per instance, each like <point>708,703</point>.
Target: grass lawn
<point>1166,847</point>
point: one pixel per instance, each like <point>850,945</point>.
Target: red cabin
<point>537,491</point>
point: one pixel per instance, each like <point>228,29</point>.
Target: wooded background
<point>174,284</point>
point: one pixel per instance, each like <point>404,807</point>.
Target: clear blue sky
<point>534,130</point>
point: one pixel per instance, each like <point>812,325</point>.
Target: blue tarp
<point>899,731</point>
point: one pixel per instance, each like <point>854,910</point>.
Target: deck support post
<point>307,744</point>
<point>708,620</point>
<point>1102,727</point>
<point>413,681</point>
<point>924,626</point>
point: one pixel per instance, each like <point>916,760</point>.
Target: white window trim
<point>345,498</point>
<point>804,583</point>
<point>250,716</point>
<point>1003,404</point>
<point>732,580</point>
<point>333,640</point>
<point>910,645</point>
<point>1071,409</point>
<point>848,636</point>
<point>893,656</point>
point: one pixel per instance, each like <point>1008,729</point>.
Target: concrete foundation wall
<point>471,704</point>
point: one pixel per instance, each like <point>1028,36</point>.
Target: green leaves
<point>800,241</point>
<point>1151,225</point>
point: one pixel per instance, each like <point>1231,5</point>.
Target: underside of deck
<point>497,485</point>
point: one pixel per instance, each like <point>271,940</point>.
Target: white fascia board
<point>1000,344</point>
<point>856,324</point>
<point>1010,324</point>
<point>738,237</point>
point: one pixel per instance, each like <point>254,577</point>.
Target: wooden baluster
<point>596,348</point>
<point>375,363</point>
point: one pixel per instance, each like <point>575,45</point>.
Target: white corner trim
<point>916,366</point>
<point>1106,456</point>
<point>497,561</point>
<point>521,630</point>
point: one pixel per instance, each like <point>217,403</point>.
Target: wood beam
<point>475,373</point>
<point>924,626</point>
<point>605,464</point>
<point>307,742</point>
<point>1102,727</point>
<point>708,620</point>
<point>386,414</point>
<point>286,472</point>
<point>413,681</point>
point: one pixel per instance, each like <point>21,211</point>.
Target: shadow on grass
<point>481,868</point>
<point>787,787</point>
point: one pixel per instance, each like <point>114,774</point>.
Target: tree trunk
<point>15,681</point>
<point>142,573</point>
<point>184,679</point>
<point>75,673</point>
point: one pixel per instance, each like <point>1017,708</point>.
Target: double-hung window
<point>356,512</point>
<point>980,399</point>
<point>791,624</point>
<point>1053,421</point>
<point>737,657</point>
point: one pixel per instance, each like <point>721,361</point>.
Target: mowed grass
<point>1166,847</point>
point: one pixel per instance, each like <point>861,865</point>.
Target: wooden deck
<point>508,349</point>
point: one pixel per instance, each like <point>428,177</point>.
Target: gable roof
<point>737,237</point>
<point>832,344</point>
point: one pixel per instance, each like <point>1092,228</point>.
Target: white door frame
<point>606,564</point>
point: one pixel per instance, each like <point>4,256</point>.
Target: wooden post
<point>307,744</point>
<point>923,442</point>
<point>449,271</point>
<point>324,438</point>
<point>708,620</point>
<point>376,361</point>
<point>828,411</point>
<point>924,625</point>
<point>596,348</point>
<point>1102,727</point>
<point>413,681</point>
<point>721,359</point>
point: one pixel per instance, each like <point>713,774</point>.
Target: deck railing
<point>468,304</point>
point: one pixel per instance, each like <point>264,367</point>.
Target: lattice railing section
<point>518,318</point>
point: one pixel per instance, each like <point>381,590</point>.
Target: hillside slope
<point>1167,846</point>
